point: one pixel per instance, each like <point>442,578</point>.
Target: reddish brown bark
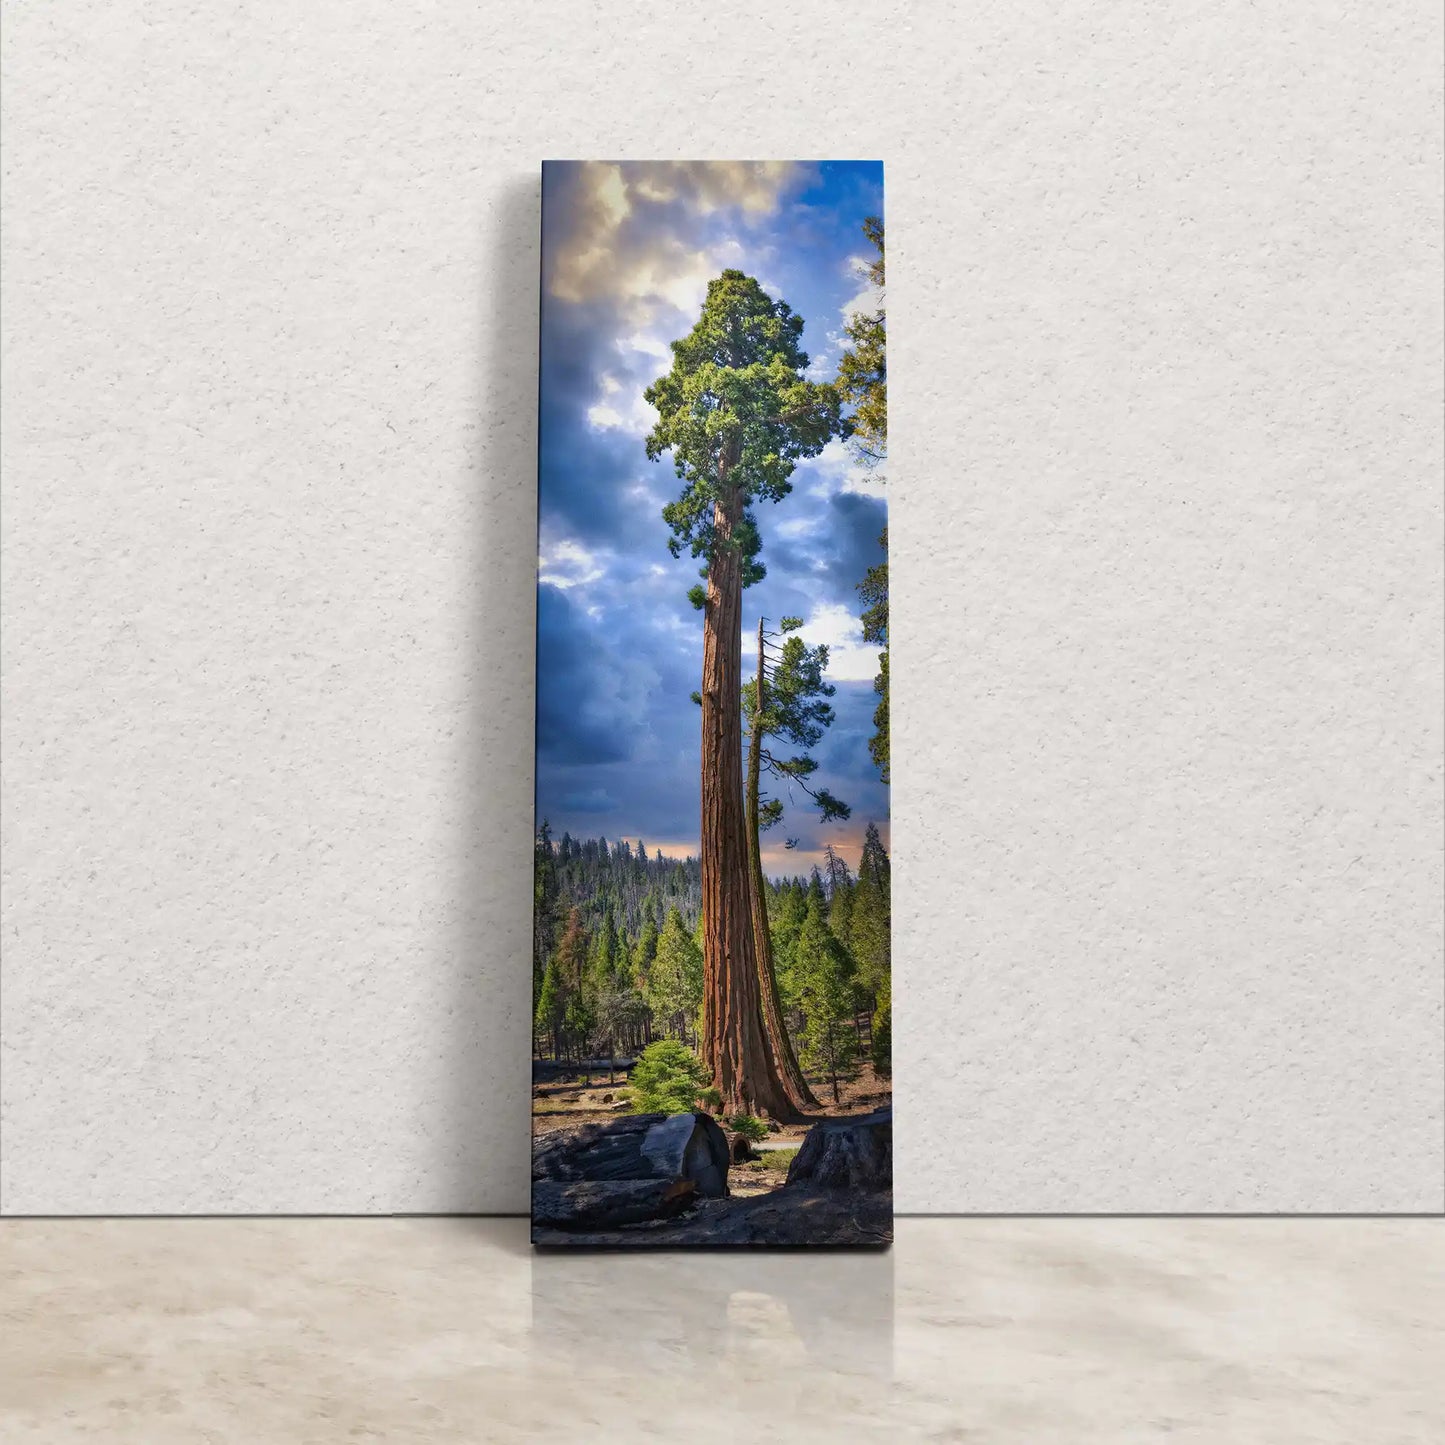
<point>769,1001</point>
<point>735,1044</point>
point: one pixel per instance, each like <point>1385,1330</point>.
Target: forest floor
<point>562,1098</point>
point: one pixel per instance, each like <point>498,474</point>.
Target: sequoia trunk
<point>769,1001</point>
<point>735,1046</point>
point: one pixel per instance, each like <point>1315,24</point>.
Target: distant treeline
<point>617,959</point>
<point>628,883</point>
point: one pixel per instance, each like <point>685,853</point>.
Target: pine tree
<point>792,911</point>
<point>882,1030</point>
<point>842,896</point>
<point>644,951</point>
<point>737,415</point>
<point>873,589</point>
<point>787,699</point>
<point>551,1007</point>
<point>579,1022</point>
<point>675,982</point>
<point>825,996</point>
<point>602,966</point>
<point>872,914</point>
<point>571,953</point>
<point>545,893</point>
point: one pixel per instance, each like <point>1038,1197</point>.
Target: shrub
<point>749,1126</point>
<point>778,1159</point>
<point>667,1079</point>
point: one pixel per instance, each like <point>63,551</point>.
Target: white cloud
<point>568,564</point>
<point>621,407</point>
<point>611,193</point>
<point>602,256</point>
<point>649,345</point>
<point>850,659</point>
<point>752,186</point>
<point>867,300</point>
<point>603,417</point>
<point>793,527</point>
<point>838,470</point>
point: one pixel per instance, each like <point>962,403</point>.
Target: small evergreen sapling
<point>667,1079</point>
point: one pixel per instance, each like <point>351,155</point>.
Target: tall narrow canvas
<point>711,968</point>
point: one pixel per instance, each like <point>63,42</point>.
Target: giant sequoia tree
<point>737,415</point>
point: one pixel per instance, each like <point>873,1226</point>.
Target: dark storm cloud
<point>595,800</point>
<point>836,543</point>
<point>586,474</point>
<point>853,529</point>
<point>584,712</point>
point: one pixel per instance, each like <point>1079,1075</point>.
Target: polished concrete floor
<point>309,1331</point>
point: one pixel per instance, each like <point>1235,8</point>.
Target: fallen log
<point>786,1217</point>
<point>596,1204</point>
<point>741,1148</point>
<point>667,1147</point>
<point>854,1154</point>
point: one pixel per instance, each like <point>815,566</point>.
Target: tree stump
<point>741,1148</point>
<point>854,1154</point>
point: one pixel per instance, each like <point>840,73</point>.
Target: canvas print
<point>711,964</point>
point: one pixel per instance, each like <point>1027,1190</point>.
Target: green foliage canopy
<point>675,980</point>
<point>795,709</point>
<point>863,381</point>
<point>863,368</point>
<point>668,1078</point>
<point>823,971</point>
<point>873,589</point>
<point>737,415</point>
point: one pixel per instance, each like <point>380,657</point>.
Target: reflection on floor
<point>423,1330</point>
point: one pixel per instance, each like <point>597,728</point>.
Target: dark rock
<point>785,1218</point>
<point>672,1147</point>
<point>852,1154</point>
<point>593,1204</point>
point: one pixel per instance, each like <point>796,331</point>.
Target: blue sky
<point>627,251</point>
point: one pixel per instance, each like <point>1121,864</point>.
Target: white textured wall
<point>1166,325</point>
